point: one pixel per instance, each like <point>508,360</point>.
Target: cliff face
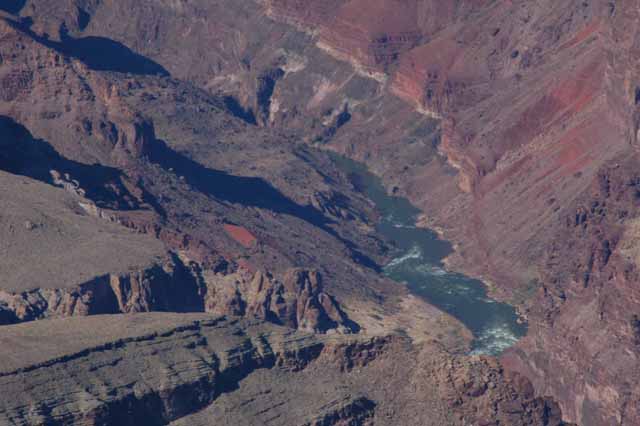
<point>88,137</point>
<point>589,300</point>
<point>189,369</point>
<point>372,35</point>
<point>545,62</point>
<point>297,300</point>
<point>537,108</point>
<point>201,373</point>
<point>512,125</point>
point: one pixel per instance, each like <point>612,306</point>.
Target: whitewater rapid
<point>418,264</point>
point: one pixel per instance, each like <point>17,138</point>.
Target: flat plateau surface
<point>47,241</point>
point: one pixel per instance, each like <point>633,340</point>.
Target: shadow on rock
<point>98,53</point>
<point>233,106</point>
<point>247,191</point>
<point>103,54</point>
<point>22,154</point>
<point>12,6</point>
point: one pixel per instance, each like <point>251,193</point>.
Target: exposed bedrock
<point>161,287</point>
<point>296,300</point>
<point>266,86</point>
<point>372,34</point>
<point>513,109</point>
<point>545,205</point>
<point>104,158</point>
<point>190,369</point>
<point>591,299</point>
<point>90,104</point>
<point>157,377</point>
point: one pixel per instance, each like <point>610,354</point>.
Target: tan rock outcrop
<point>296,299</point>
<point>198,370</point>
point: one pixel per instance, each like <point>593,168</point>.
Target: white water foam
<point>401,225</point>
<point>438,272</point>
<point>398,223</point>
<point>427,269</point>
<point>390,218</point>
<point>494,340</point>
<point>414,253</point>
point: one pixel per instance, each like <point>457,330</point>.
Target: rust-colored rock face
<point>240,234</point>
<point>194,144</point>
<point>589,299</point>
<point>537,106</point>
<point>372,34</point>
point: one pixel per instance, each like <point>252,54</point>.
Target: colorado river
<point>418,263</point>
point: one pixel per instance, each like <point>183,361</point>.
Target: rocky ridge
<point>525,173</point>
<point>462,155</point>
<point>162,367</point>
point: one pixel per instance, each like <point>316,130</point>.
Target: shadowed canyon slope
<point>194,145</point>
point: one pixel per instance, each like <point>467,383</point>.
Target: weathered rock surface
<point>537,106</point>
<point>296,300</point>
<point>589,299</point>
<point>165,286</point>
<point>48,241</point>
<point>156,368</point>
<point>144,184</point>
<point>497,118</point>
<point>141,378</point>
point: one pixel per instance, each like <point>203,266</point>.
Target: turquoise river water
<point>418,263</point>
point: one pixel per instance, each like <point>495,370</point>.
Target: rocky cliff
<point>191,369</point>
<point>512,125</point>
<point>536,106</point>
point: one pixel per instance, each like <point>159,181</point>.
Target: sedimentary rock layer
<point>496,118</point>
<point>157,368</point>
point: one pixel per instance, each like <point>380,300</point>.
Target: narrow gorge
<point>304,212</point>
<point>418,263</point>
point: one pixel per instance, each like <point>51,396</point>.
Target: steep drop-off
<point>511,124</point>
<point>152,369</point>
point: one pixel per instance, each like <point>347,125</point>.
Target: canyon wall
<point>155,369</point>
<point>512,125</point>
<point>536,105</point>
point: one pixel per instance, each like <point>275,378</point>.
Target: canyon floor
<point>179,246</point>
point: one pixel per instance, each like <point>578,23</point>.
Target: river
<point>418,262</point>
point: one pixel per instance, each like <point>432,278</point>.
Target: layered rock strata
<point>159,368</point>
